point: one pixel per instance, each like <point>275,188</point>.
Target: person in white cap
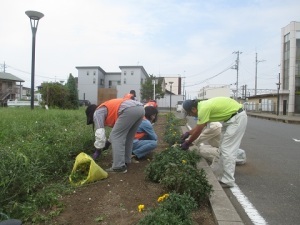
<point>234,118</point>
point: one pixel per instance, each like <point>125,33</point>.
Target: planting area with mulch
<point>115,200</point>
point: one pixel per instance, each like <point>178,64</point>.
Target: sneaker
<point>122,169</point>
<point>96,154</point>
<point>134,159</point>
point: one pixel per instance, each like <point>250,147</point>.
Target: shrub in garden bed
<point>172,130</point>
<point>176,170</point>
<point>156,170</point>
<point>173,209</point>
<point>184,178</point>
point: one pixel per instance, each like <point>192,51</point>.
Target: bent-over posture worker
<point>124,116</point>
<point>234,118</point>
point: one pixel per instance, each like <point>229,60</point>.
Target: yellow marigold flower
<point>183,161</point>
<point>166,195</point>
<point>160,199</point>
<point>141,208</point>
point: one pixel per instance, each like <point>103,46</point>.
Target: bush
<point>176,170</point>
<point>155,171</point>
<point>174,209</point>
<point>184,178</point>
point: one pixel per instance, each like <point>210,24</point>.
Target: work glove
<point>185,145</point>
<point>106,146</point>
<point>184,136</point>
<point>97,153</point>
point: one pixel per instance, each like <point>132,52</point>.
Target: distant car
<point>179,106</point>
<point>84,102</point>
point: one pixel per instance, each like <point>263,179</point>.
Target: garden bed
<point>115,200</point>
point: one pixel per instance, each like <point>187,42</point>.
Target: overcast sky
<point>194,38</point>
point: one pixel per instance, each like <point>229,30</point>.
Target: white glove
<point>100,138</point>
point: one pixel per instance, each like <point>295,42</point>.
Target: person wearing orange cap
<point>124,116</point>
<point>151,103</point>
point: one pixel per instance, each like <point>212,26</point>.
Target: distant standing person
<point>219,109</point>
<point>145,140</point>
<point>131,95</point>
<point>124,116</point>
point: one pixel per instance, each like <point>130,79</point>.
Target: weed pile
<point>37,147</point>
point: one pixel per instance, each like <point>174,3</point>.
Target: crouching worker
<point>145,140</point>
<point>124,116</point>
<point>208,142</point>
<point>219,109</point>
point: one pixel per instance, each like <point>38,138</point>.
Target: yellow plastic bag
<point>85,170</point>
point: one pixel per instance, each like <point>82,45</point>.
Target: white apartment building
<point>173,83</point>
<point>91,79</point>
<point>208,92</point>
<point>289,102</point>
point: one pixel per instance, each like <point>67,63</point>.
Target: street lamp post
<point>170,94</point>
<point>154,82</point>
<point>34,17</point>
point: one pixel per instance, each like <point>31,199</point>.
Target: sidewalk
<point>280,118</point>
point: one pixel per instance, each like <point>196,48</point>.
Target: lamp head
<point>34,15</point>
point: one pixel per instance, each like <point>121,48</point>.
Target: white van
<point>179,106</point>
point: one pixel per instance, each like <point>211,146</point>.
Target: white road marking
<point>296,140</point>
<point>252,213</point>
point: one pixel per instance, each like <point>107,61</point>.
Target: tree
<point>147,88</point>
<point>73,93</point>
<point>55,95</point>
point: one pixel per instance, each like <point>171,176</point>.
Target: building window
<point>142,81</point>
<point>87,73</point>
<point>101,81</point>
<point>94,80</point>
<point>124,81</point>
<point>131,72</point>
<point>287,37</point>
<point>119,82</point>
<point>109,84</point>
<point>9,84</point>
<point>94,73</point>
<point>124,73</point>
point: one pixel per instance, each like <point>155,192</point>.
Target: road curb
<point>284,119</point>
<point>222,208</point>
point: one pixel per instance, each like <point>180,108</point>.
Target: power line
<point>209,68</point>
<point>8,66</point>
<point>210,77</point>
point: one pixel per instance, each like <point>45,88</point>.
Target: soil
<point>115,200</point>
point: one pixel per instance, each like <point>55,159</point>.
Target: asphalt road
<point>271,177</point>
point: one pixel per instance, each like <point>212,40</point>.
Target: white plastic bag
<point>241,157</point>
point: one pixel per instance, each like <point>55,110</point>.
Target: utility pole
<point>278,88</point>
<point>243,89</point>
<point>237,71</point>
<point>4,66</point>
<point>256,62</point>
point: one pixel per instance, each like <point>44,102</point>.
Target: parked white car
<point>179,106</point>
